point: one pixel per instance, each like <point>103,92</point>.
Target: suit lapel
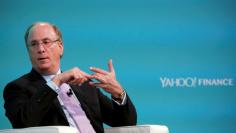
<point>79,93</point>
<point>37,80</point>
<point>59,108</point>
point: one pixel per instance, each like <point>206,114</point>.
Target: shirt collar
<point>49,77</point>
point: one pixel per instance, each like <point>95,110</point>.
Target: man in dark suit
<point>34,99</point>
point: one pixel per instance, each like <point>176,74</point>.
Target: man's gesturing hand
<point>74,76</point>
<point>107,80</point>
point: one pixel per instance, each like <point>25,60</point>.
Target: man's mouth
<point>42,58</point>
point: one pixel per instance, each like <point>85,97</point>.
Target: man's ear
<point>61,49</point>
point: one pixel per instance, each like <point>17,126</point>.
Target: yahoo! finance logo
<point>190,82</point>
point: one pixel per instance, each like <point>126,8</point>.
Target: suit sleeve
<point>25,105</point>
<point>117,115</point>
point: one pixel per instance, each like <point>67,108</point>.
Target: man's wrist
<point>120,96</point>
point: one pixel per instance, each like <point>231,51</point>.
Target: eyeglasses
<point>46,42</point>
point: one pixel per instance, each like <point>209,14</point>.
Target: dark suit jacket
<point>30,102</point>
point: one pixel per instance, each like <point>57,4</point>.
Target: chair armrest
<point>139,129</point>
<point>44,129</point>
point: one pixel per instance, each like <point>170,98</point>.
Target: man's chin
<point>44,69</point>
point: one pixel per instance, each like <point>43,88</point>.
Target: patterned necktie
<point>73,106</point>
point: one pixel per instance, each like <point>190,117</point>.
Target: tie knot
<point>65,87</point>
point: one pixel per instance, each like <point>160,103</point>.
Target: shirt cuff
<point>53,86</point>
<point>123,102</point>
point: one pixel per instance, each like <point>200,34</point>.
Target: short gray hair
<point>56,29</point>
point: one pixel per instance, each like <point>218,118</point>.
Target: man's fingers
<point>110,66</point>
<point>78,81</point>
<point>98,85</point>
<point>99,77</point>
<point>98,70</point>
<point>86,75</point>
<point>78,74</point>
<point>75,81</point>
<point>78,77</point>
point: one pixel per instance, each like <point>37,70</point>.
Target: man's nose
<point>41,48</point>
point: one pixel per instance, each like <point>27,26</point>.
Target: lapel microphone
<point>69,93</point>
